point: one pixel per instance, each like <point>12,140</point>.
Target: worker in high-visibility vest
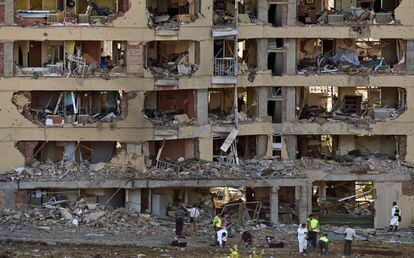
<point>216,225</point>
<point>323,244</point>
<point>314,230</point>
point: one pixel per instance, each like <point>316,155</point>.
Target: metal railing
<point>166,165</point>
<point>225,66</point>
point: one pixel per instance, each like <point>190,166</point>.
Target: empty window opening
<point>224,13</point>
<point>169,108</point>
<point>224,57</point>
<point>45,12</point>
<point>70,58</point>
<point>69,107</point>
<point>274,109</point>
<point>171,14</point>
<point>221,105</point>
<point>337,13</point>
<point>352,57</point>
<point>319,103</point>
<point>275,62</point>
<point>344,202</point>
<point>277,15</point>
<point>170,60</point>
<point>246,149</point>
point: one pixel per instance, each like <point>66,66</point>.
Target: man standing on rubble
<point>395,217</point>
<point>302,235</point>
<point>314,230</point>
<point>179,221</point>
<point>194,213</point>
<point>349,236</point>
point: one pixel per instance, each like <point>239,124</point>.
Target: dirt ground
<point>23,248</point>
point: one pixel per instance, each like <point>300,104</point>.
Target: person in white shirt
<point>194,214</point>
<point>302,235</point>
<point>349,236</point>
<point>395,217</point>
<point>222,237</point>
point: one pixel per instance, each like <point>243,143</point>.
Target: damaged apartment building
<point>277,107</point>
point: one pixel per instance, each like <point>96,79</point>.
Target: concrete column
<point>205,149</point>
<point>322,191</point>
<point>289,146</point>
<point>290,56</point>
<point>133,200</point>
<point>8,59</point>
<point>201,106</point>
<point>262,10</point>
<point>291,20</point>
<point>262,54</point>
<point>274,205</point>
<point>289,94</point>
<point>9,12</point>
<point>262,145</point>
<point>262,97</point>
<point>302,201</point>
<point>410,56</point>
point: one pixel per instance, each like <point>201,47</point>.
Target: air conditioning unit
<point>383,17</point>
<point>336,19</point>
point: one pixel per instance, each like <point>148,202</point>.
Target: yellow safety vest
<point>217,222</point>
<point>324,239</point>
<point>314,225</point>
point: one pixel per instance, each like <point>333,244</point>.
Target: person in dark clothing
<point>179,221</point>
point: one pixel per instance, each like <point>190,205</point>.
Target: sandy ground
<point>39,243</point>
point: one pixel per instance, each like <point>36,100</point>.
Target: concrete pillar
<point>201,106</point>
<point>410,56</point>
<point>262,54</point>
<point>205,149</point>
<point>263,145</point>
<point>289,94</point>
<point>9,12</point>
<point>262,10</point>
<point>133,200</point>
<point>274,205</point>
<point>290,56</point>
<point>291,19</point>
<point>289,146</point>
<point>346,144</point>
<point>302,201</point>
<point>322,191</point>
<point>8,59</point>
<point>262,97</point>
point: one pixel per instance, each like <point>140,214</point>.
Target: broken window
<point>248,11</point>
<point>45,12</point>
<point>344,202</point>
<point>352,57</point>
<point>221,105</point>
<point>322,103</point>
<point>277,14</point>
<point>172,59</point>
<point>224,13</point>
<point>170,14</point>
<point>70,58</point>
<point>247,56</point>
<point>169,108</point>
<point>224,57</point>
<point>69,107</point>
<point>342,146</point>
<point>339,12</point>
<point>79,152</point>
<point>276,63</point>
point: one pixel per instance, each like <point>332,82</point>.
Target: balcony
<point>225,66</point>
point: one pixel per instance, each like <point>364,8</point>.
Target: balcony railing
<point>225,66</point>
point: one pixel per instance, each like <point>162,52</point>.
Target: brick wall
<point>135,59</point>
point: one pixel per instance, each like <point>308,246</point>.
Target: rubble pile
<point>64,216</point>
<point>166,22</point>
<point>173,66</point>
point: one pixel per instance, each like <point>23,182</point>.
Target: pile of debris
<point>217,116</point>
<point>166,22</point>
<point>167,119</point>
<point>173,66</point>
<point>62,215</point>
